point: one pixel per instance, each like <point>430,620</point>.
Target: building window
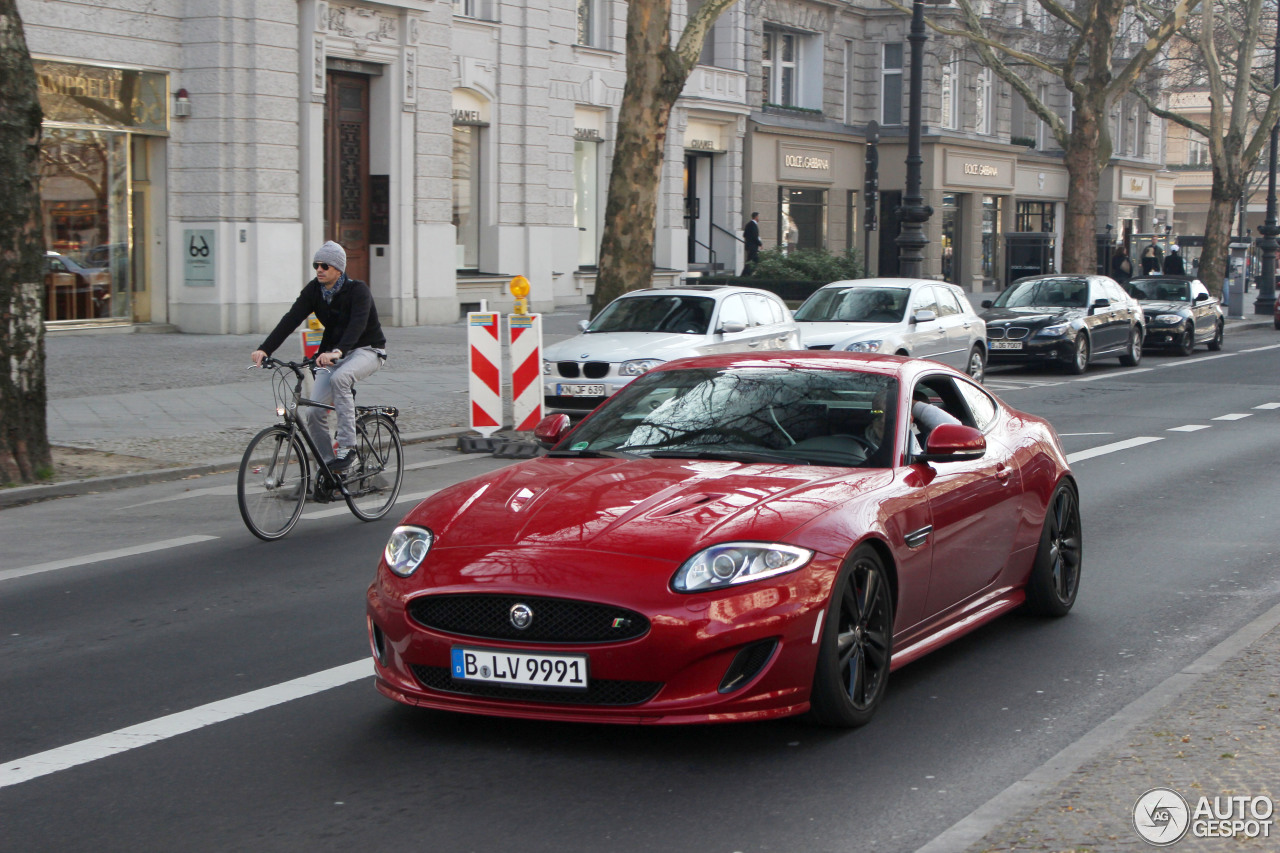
<point>591,31</point>
<point>1034,216</point>
<point>466,195</point>
<point>586,200</point>
<point>482,9</point>
<point>847,101</point>
<point>983,102</point>
<point>1042,129</point>
<point>1197,152</point>
<point>951,91</point>
<point>780,68</point>
<point>891,84</point>
<point>802,218</point>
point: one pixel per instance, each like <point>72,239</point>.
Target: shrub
<point>807,265</point>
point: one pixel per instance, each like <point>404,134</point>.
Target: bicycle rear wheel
<point>273,484</point>
<point>373,483</point>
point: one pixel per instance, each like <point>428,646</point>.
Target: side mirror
<point>1100,303</point>
<point>551,429</point>
<point>987,303</point>
<point>924,315</point>
<point>953,443</point>
<point>582,325</point>
<point>1201,297</point>
<point>732,328</point>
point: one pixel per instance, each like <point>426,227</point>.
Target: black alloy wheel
<point>977,367</point>
<point>1055,574</point>
<point>1133,353</point>
<point>857,641</point>
<point>1187,343</point>
<point>1080,356</point>
<point>1215,345</point>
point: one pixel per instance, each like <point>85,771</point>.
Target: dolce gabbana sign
<point>966,169</point>
<point>796,163</point>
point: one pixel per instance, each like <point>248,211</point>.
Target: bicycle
<point>276,476</point>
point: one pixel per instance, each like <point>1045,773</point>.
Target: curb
<point>71,488</point>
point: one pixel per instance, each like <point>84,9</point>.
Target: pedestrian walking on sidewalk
<point>352,340</point>
<point>751,236</point>
<point>1173,263</point>
<point>1121,266</point>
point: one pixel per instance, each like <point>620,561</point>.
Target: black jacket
<point>751,235</point>
<point>350,321</point>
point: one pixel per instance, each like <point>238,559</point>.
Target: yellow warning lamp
<point>520,290</point>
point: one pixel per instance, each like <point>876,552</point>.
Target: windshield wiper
<point>593,454</point>
<point>732,455</point>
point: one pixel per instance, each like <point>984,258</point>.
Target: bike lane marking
<point>162,728</point>
<point>54,565</point>
<point>341,509</point>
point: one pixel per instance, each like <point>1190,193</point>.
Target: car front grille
<point>555,620</point>
<point>599,692</point>
<point>586,369</point>
<point>1013,333</point>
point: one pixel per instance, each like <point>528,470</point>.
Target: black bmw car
<point>1064,319</point>
<point>1180,312</point>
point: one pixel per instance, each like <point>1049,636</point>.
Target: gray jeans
<point>333,387</point>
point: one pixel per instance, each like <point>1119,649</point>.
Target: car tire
<point>1055,574</point>
<point>1187,343</point>
<point>977,366</point>
<point>856,644</point>
<point>1080,356</point>
<point>1219,334</point>
<point>1133,353</point>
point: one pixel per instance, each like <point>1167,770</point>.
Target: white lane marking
<point>1190,428</point>
<point>162,728</point>
<point>1262,349</point>
<point>39,568</point>
<point>1111,448</point>
<point>342,508</point>
<point>1097,376</point>
<point>1079,434</point>
<point>216,491</point>
<point>1234,416</point>
<point>1266,407</point>
<point>1201,360</point>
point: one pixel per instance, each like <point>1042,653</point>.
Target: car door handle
<point>1003,473</point>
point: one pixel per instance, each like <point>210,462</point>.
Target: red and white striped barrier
<point>526,369</point>
<point>484,360</point>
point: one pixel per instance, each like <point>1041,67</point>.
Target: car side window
<point>925,301</point>
<point>980,405</point>
<point>734,310</point>
<point>759,308</point>
<point>1114,293</point>
<point>948,305</point>
<point>778,310</point>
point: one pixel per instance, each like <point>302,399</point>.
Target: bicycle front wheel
<point>373,483</point>
<point>274,482</point>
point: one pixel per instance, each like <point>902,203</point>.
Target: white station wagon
<point>644,328</point>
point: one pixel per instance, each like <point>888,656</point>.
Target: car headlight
<point>735,563</point>
<point>1166,319</point>
<point>638,366</point>
<point>864,346</point>
<point>406,549</point>
<point>1052,331</point>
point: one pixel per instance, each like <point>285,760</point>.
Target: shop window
<point>891,84</point>
<point>586,200</point>
<point>466,195</point>
<point>85,202</point>
<point>990,236</point>
<point>1034,216</point>
<point>950,224</point>
<point>802,218</point>
<point>851,214</point>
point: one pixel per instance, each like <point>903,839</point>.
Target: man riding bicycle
<point>352,340</point>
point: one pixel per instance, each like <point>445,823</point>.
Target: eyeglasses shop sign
<point>797,163</point>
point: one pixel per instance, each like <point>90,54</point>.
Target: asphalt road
<point>1179,552</point>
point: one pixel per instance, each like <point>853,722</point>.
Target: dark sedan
<point>1064,319</point>
<point>1180,312</point>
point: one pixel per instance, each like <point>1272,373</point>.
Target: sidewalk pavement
<point>1211,730</point>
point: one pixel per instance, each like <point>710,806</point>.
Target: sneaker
<point>345,457</point>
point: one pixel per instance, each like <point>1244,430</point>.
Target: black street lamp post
<point>914,213</point>
<point>1266,301</point>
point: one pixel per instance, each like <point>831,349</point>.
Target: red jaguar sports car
<point>730,537</point>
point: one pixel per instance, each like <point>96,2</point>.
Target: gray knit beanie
<point>333,255</point>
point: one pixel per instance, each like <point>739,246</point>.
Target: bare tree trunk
<point>24,443</point>
<point>1079,249</point>
<point>1217,228</point>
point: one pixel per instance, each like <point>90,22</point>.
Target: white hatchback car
<point>644,328</point>
<point>898,316</point>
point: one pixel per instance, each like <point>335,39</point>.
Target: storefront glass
<point>950,220</point>
<point>586,200</point>
<point>990,237</point>
<point>84,189</point>
<point>466,196</point>
<point>1035,216</point>
<point>802,218</point>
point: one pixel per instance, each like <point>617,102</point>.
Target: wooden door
<point>346,165</point>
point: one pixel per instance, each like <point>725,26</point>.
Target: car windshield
<point>683,315</point>
<point>1163,291</point>
<point>1047,293</point>
<point>749,414</point>
<point>855,305</point>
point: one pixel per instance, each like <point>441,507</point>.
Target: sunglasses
<point>324,267</point>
